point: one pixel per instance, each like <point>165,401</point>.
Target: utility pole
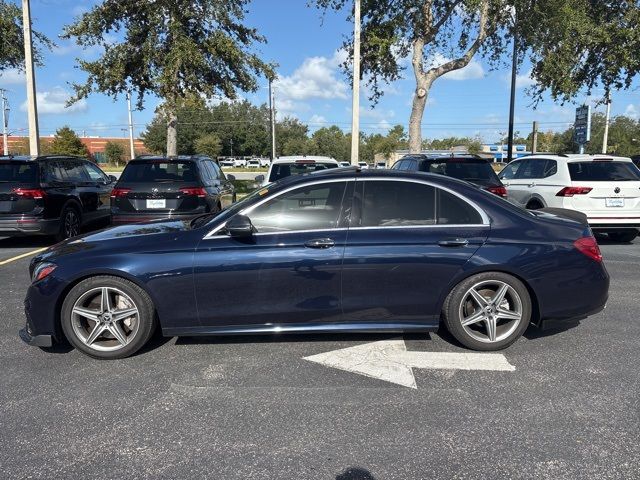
<point>32,108</point>
<point>131,146</point>
<point>514,73</point>
<point>272,120</point>
<point>5,123</point>
<point>534,147</point>
<point>231,140</point>
<point>605,138</point>
<point>355,104</point>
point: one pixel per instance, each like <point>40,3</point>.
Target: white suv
<point>295,165</point>
<point>605,188</point>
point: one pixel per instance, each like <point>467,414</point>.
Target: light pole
<point>355,104</point>
<point>5,123</point>
<point>32,108</point>
<point>272,119</point>
<point>605,137</point>
<point>514,73</point>
<point>131,146</point>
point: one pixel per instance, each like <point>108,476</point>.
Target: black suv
<point>180,187</point>
<point>470,168</point>
<point>52,195</point>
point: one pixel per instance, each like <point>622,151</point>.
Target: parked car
<point>344,164</point>
<point>605,188</point>
<point>341,251</point>
<point>469,168</point>
<point>380,165</point>
<point>178,188</point>
<point>253,163</point>
<point>227,162</point>
<point>296,165</point>
<point>239,163</point>
<point>264,162</point>
<point>52,195</point>
<point>363,165</point>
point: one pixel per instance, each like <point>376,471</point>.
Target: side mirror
<point>113,178</point>
<point>240,226</point>
<point>231,178</point>
<point>260,178</point>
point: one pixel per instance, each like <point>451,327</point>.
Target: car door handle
<point>320,243</point>
<point>532,185</point>
<point>454,242</point>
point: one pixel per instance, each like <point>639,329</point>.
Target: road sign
<point>582,125</point>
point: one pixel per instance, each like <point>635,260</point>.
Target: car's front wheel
<point>107,317</point>
<point>488,311</point>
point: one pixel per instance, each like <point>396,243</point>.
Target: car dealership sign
<point>582,126</point>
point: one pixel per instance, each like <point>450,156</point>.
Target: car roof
<point>27,158</point>
<point>578,157</point>
<point>294,158</point>
<point>442,156</point>
<point>178,158</point>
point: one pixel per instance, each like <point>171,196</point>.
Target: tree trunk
<point>415,122</point>
<point>172,133</point>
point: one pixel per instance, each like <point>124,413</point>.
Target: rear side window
<point>391,204</point>
<point>533,168</point>
<point>603,171</point>
<point>18,172</point>
<point>159,171</point>
<point>95,173</point>
<point>453,210</point>
<point>73,171</point>
<point>284,170</point>
<point>468,169</point>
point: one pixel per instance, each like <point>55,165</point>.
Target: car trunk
<point>19,188</point>
<point>157,197</point>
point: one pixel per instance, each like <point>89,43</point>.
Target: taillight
<point>196,191</point>
<point>571,191</point>
<point>34,193</point>
<point>589,247</point>
<point>500,191</point>
<point>119,192</point>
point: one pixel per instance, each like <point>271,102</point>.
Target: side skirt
<point>368,327</point>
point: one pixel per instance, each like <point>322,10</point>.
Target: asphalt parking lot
<point>254,408</point>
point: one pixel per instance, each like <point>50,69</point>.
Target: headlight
<point>42,270</point>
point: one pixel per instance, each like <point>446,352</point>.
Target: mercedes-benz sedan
<point>339,251</point>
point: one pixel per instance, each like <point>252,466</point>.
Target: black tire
<point>453,306</point>
<point>623,236</point>
<point>70,223</point>
<point>139,336</point>
<point>534,205</point>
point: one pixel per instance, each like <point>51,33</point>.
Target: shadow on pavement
<point>355,473</point>
<point>26,242</point>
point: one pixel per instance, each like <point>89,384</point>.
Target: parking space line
<point>24,255</point>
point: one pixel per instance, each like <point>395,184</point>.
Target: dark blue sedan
<point>341,251</point>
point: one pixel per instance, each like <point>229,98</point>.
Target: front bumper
<point>24,225</point>
<point>35,340</point>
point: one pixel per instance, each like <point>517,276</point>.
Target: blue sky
<point>312,88</point>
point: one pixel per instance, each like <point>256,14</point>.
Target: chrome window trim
<point>481,212</point>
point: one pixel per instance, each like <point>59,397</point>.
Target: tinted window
<point>468,169</point>
<point>73,171</point>
<point>533,168</point>
<point>284,170</point>
<point>55,172</point>
<point>550,168</point>
<point>206,172</point>
<point>18,172</point>
<point>399,165</point>
<point>386,204</point>
<point>452,210</point>
<point>216,172</point>
<point>510,171</point>
<point>315,207</point>
<point>95,173</point>
<point>159,171</point>
<point>603,171</point>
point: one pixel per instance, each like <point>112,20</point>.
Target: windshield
<point>159,171</point>
<point>470,170</point>
<point>283,170</point>
<point>18,172</point>
<point>603,171</point>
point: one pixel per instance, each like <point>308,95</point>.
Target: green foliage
<point>331,142</point>
<point>209,145</point>
<point>114,151</point>
<point>66,142</point>
<point>12,39</point>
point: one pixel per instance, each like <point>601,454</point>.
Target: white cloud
<point>632,112</point>
<point>317,120</point>
<point>54,102</point>
<point>472,71</point>
<point>12,76</point>
<point>524,80</point>
<point>315,78</point>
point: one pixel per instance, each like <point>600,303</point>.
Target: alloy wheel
<point>105,319</point>
<point>490,311</point>
<point>71,224</point>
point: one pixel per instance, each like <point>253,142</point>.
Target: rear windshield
<point>468,169</point>
<point>159,171</point>
<point>603,171</point>
<point>283,170</point>
<point>18,172</point>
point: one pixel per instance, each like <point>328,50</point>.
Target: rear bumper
<point>121,219</point>
<point>25,225</point>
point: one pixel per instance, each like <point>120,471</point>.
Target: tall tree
<point>179,50</point>
<point>66,142</point>
<point>572,44</point>
<point>12,38</point>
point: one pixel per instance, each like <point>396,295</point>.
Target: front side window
<point>314,207</point>
<point>95,173</point>
<point>533,168</point>
<point>510,171</point>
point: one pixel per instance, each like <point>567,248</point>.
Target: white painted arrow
<point>390,361</point>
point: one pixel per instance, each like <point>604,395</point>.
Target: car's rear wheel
<point>534,205</point>
<point>69,224</point>
<point>624,236</point>
<point>488,311</point>
<point>107,317</point>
